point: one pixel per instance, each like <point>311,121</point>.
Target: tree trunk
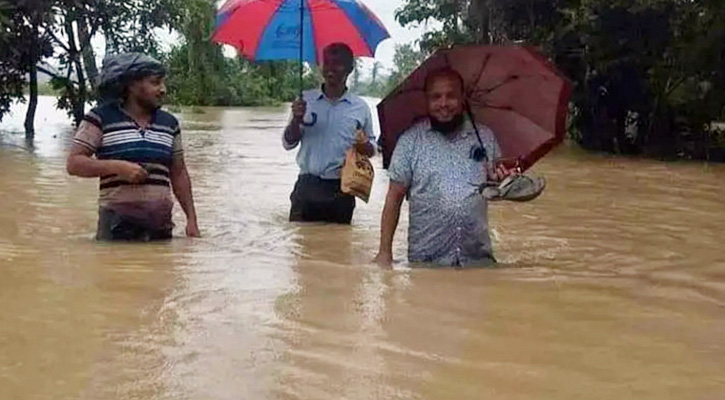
<point>33,103</point>
<point>479,14</point>
<point>89,56</point>
<point>79,102</point>
<point>620,132</point>
<point>80,106</point>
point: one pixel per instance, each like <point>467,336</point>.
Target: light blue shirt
<point>328,130</point>
<point>448,217</point>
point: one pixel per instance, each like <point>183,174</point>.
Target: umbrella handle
<point>500,161</point>
<point>314,120</point>
<point>302,36</point>
<point>475,128</point>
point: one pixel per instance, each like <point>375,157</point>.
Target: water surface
<point>612,285</point>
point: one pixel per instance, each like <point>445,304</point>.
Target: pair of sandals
<point>516,187</point>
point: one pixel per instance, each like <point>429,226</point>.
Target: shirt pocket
<point>349,124</point>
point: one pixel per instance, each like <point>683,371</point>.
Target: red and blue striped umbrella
<point>297,29</point>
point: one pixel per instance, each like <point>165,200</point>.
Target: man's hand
<point>362,145</point>
<point>130,172</point>
<point>192,229</point>
<point>293,131</point>
<point>389,222</point>
<point>299,108</point>
<point>384,260</point>
<point>500,172</point>
<point>364,148</point>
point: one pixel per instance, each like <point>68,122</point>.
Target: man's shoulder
<point>413,134</point>
<point>111,108</point>
<point>166,118</point>
<point>104,114</point>
<point>418,128</point>
<point>311,94</point>
<point>356,100</point>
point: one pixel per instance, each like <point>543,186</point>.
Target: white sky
<point>385,10</point>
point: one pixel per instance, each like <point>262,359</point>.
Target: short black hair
<point>343,51</point>
<point>443,73</point>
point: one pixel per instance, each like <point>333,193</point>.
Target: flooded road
<point>612,285</point>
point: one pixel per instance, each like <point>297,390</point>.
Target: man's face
<point>445,99</point>
<point>148,91</point>
<point>335,69</point>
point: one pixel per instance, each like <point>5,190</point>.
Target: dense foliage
<point>649,75</point>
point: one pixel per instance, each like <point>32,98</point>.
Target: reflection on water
<point>612,285</point>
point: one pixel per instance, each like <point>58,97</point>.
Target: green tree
<point>356,75</point>
<point>12,66</point>
<point>35,30</point>
<point>21,47</point>
<point>456,28</point>
<point>201,75</point>
<point>406,59</point>
<point>648,74</point>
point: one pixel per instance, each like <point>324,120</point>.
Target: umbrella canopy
<point>513,90</point>
<point>297,29</point>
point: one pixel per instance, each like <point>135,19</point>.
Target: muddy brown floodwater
<point>611,285</point>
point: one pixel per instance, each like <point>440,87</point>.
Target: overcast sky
<point>385,10</point>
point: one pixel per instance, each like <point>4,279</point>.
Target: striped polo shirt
<point>111,134</point>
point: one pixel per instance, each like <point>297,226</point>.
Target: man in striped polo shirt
<point>138,153</point>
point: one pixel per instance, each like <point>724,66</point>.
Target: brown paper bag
<point>357,173</point>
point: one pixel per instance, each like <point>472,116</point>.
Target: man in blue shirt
<point>324,125</point>
<point>436,165</point>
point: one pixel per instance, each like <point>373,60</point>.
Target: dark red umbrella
<point>513,90</point>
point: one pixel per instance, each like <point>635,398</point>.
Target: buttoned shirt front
<point>448,222</point>
<point>328,130</point>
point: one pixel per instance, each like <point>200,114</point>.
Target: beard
<point>447,127</point>
<point>150,105</point>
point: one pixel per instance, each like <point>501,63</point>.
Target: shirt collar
<point>345,96</point>
<point>152,120</point>
<point>464,131</point>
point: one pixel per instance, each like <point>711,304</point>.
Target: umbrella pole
<point>302,32</point>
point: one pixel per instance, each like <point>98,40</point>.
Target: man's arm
<point>181,184</point>
<point>495,168</point>
<point>389,222</point>
<point>367,147</point>
<point>400,172</point>
<point>292,134</point>
<point>293,131</point>
<point>81,163</point>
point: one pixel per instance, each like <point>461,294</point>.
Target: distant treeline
<point>649,76</point>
